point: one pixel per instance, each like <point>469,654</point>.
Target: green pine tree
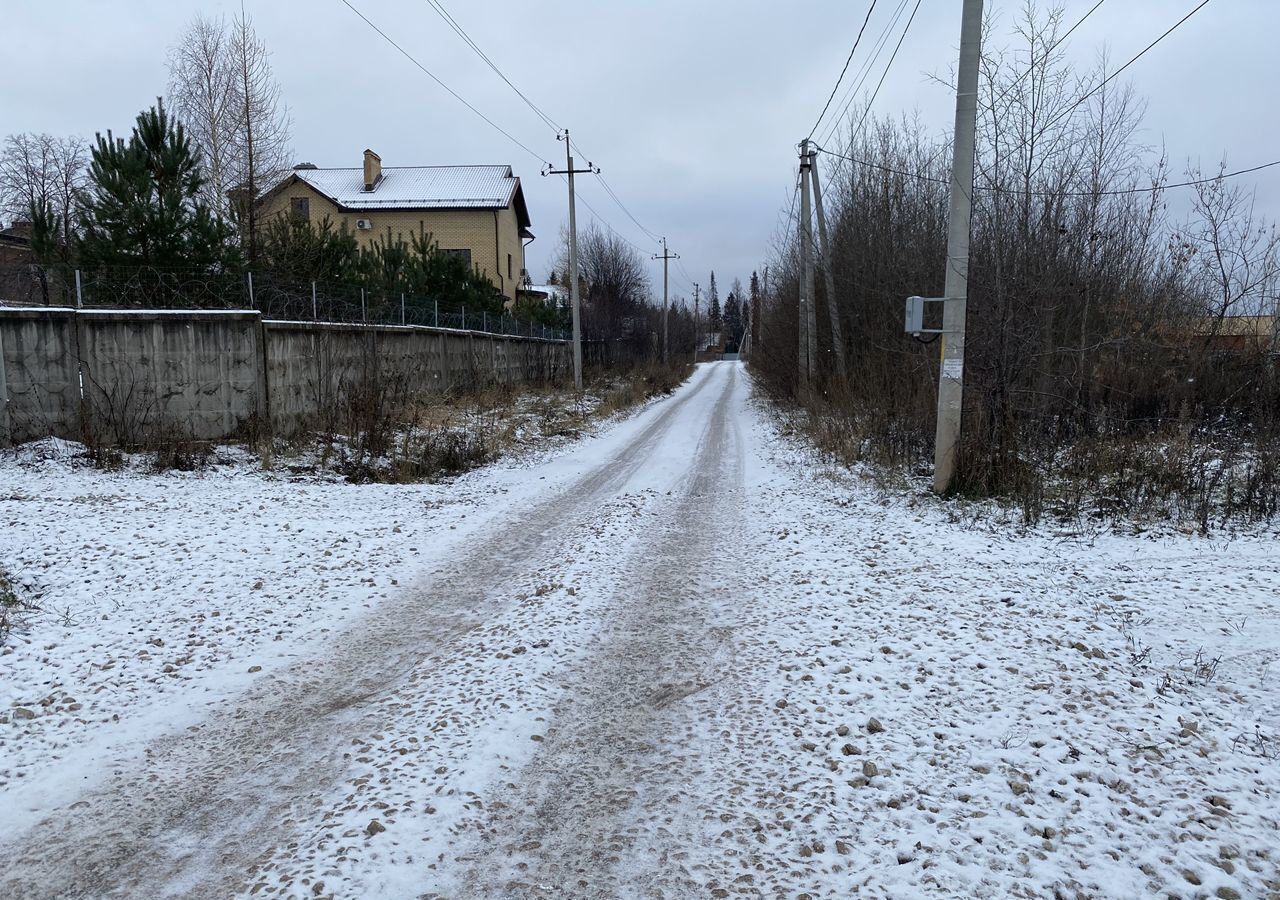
<point>714,321</point>
<point>141,207</point>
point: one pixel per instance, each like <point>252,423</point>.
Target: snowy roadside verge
<point>949,706</point>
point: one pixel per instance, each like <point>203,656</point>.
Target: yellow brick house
<point>477,212</point>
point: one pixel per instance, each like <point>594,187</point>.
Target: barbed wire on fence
<point>275,297</point>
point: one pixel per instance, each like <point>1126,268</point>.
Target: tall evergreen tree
<point>142,208</point>
<point>714,320</point>
<point>732,321</point>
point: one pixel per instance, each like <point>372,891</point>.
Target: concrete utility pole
<point>829,279</point>
<point>574,299</point>
<point>666,258</point>
<point>956,289</point>
<point>764,301</point>
<point>697,324</point>
<point>808,321</point>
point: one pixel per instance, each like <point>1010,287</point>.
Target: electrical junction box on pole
<point>915,315</point>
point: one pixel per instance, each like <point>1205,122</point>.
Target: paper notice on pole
<point>953,368</point>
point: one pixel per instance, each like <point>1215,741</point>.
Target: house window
<point>508,265</point>
<point>300,208</point>
<point>464,255</point>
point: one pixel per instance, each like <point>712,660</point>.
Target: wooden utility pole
<point>666,258</point>
<point>956,289</point>
<point>574,298</point>
<point>829,280</point>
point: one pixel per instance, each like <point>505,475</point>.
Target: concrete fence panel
<point>191,372</point>
<point>40,385</point>
<point>129,376</point>
<point>312,370</point>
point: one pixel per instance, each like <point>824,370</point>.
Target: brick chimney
<point>372,170</point>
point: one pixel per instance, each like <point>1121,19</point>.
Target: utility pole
<point>574,299</point>
<point>666,258</point>
<point>829,279</point>
<point>956,288</point>
<point>697,325</point>
<point>808,321</point>
<point>764,300</point>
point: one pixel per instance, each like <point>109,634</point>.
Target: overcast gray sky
<point>692,109</point>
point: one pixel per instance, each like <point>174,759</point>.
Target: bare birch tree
<point>222,88</point>
<point>263,125</point>
<point>203,93</point>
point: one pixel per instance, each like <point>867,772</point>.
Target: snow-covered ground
<point>680,658</point>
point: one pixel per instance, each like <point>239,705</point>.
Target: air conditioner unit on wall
<point>364,224</point>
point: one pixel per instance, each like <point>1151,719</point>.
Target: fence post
<point>252,304</point>
<point>5,434</point>
<point>484,320</point>
<point>315,315</point>
<point>464,317</point>
<point>437,306</point>
<point>79,293</point>
<point>402,307</point>
<point>262,364</point>
<point>364,314</point>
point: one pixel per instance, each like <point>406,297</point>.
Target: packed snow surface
<point>683,657</point>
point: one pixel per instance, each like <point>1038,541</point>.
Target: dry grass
<point>434,436</point>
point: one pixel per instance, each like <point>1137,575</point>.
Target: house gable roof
<point>419,187</point>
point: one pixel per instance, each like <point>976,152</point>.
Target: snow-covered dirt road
<point>682,658</point>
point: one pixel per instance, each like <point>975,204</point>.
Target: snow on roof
<point>551,290</point>
<point>417,187</point>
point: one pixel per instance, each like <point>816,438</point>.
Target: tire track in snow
<point>200,806</point>
<point>601,811</point>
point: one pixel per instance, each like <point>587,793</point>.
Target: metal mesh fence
<point>274,296</point>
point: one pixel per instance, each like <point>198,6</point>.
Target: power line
<point>438,6</point>
<point>409,56</point>
<point>1031,65</point>
<point>885,74</point>
<point>865,71</point>
<point>458,29</point>
<point>880,45</point>
<point>685,272</point>
<point>618,200</point>
<point>1063,114</point>
<point>1181,184</point>
<point>605,222</point>
<point>848,60</point>
<point>1070,109</point>
<point>1115,193</point>
<point>609,190</point>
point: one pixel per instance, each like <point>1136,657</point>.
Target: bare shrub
<point>15,602</point>
<point>1118,362</point>
<point>172,449</point>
